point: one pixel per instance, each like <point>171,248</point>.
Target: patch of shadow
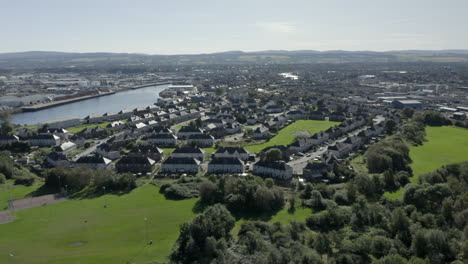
<point>76,244</point>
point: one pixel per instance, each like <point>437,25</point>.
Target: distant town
<point>303,129</point>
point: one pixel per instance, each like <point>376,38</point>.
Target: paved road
<point>299,164</point>
<point>93,147</point>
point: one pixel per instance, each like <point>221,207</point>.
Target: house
<point>44,140</point>
<point>301,144</point>
<point>161,130</point>
<point>187,131</point>
<point>108,151</point>
<point>180,165</point>
<point>95,132</point>
<point>274,169</point>
<point>135,164</point>
<point>56,159</point>
<point>94,118</point>
<point>65,148</point>
<point>339,149</point>
<point>319,138</point>
<point>189,152</point>
<point>125,113</point>
<point>314,171</point>
<point>232,152</point>
<point>202,140</point>
<point>116,125</point>
<point>233,128</point>
<point>163,140</point>
<point>223,165</point>
<point>25,133</point>
<point>149,151</point>
<point>261,132</point>
<point>295,114</point>
<point>110,116</point>
<point>252,119</point>
<point>353,142</point>
<point>62,123</point>
<point>8,139</point>
<point>273,109</point>
<point>78,140</point>
<point>60,132</point>
<point>94,161</point>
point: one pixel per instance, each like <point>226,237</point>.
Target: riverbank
<point>38,107</point>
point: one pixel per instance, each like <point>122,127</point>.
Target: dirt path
<point>20,204</point>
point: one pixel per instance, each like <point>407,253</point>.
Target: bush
<point>2,178</point>
<point>27,180</point>
<point>179,191</point>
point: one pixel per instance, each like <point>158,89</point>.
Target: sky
<point>207,26</point>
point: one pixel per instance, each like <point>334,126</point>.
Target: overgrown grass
<point>286,135</point>
<point>115,234</point>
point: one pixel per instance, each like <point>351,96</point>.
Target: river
<point>129,99</point>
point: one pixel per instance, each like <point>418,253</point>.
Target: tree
<point>407,112</point>
<point>390,126</point>
<point>322,244</point>
<point>5,121</point>
<point>273,154</point>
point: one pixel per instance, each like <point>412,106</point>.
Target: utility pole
<point>105,198</point>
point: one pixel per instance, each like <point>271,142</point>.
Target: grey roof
<point>226,161</point>
<point>177,160</point>
<point>277,165</point>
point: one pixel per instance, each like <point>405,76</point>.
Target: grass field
<point>9,190</point>
<point>283,216</point>
<point>444,145</point>
<point>109,235</point>
<point>286,135</point>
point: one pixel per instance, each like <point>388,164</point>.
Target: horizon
<point>240,51</point>
<point>186,27</point>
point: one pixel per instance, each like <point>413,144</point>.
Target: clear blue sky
<point>199,26</point>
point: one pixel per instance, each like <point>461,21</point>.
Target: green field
<point>283,216</point>
<point>444,145</point>
<point>110,235</point>
<point>286,135</point>
<point>10,191</point>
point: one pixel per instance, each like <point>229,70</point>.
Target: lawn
<point>10,191</point>
<point>444,145</point>
<point>286,135</point>
<point>115,234</point>
<point>283,216</point>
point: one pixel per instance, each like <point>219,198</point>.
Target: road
<point>93,147</point>
<point>299,164</point>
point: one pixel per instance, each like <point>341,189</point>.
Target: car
<point>300,154</point>
<point>316,159</point>
<point>321,148</point>
<point>308,154</point>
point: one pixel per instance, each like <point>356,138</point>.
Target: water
<point>111,103</point>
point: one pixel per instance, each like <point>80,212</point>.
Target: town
<point>301,129</point>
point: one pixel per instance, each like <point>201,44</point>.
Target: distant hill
<point>41,59</point>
